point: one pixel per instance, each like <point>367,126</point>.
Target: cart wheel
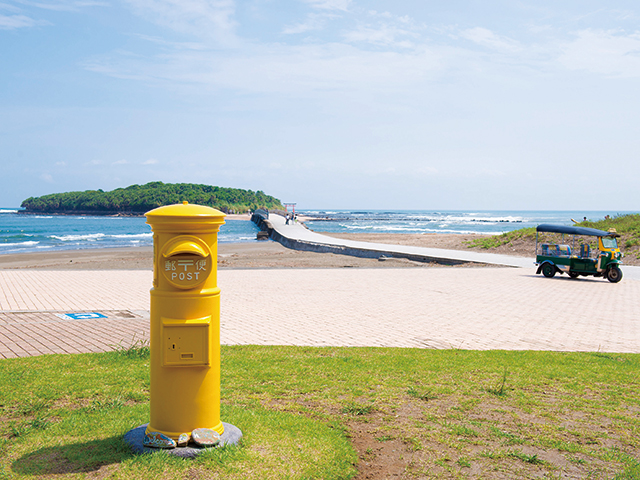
<point>574,274</point>
<point>548,270</point>
<point>614,274</point>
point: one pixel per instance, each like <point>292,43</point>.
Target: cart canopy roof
<point>592,232</point>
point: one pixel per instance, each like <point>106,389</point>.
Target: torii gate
<point>292,205</point>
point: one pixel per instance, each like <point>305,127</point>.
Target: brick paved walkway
<point>24,334</point>
<point>469,308</point>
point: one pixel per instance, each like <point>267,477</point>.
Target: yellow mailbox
<point>185,320</point>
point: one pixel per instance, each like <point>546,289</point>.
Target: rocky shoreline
<point>82,213</point>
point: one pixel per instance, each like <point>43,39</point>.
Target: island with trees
<point>138,199</point>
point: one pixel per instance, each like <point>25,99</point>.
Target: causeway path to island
<point>479,308</point>
<point>297,236</point>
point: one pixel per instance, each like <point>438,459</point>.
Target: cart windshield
<point>609,242</point>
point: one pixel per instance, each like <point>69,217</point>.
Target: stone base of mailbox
<point>231,436</point>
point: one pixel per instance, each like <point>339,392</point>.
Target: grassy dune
<point>628,226</point>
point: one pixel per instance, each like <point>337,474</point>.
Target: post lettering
<point>186,271</point>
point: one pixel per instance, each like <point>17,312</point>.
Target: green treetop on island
<point>138,199</point>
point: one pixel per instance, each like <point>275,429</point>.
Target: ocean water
<point>461,222</point>
<point>38,233</point>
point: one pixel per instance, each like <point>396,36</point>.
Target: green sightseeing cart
<point>597,255</point>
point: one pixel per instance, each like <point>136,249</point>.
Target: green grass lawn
<point>328,413</point>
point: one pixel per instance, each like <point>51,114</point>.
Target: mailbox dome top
<point>186,210</point>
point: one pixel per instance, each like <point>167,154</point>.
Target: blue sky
<point>327,103</point>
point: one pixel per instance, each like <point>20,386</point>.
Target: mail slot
<point>185,342</point>
<point>185,321</point>
<point>187,262</point>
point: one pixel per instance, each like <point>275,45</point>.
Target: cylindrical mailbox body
<point>185,320</point>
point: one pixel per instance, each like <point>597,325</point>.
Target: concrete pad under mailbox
<point>134,438</point>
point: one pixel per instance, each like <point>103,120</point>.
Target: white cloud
<point>609,52</point>
<point>65,5</point>
<point>314,21</point>
<point>292,70</point>
<point>381,35</point>
<point>19,20</point>
<point>61,5</point>
<point>174,45</point>
<point>342,5</point>
<point>10,22</point>
<point>334,60</point>
<point>406,19</point>
<point>330,9</point>
<point>46,177</point>
<point>151,161</point>
<point>427,170</point>
<point>406,55</point>
<point>385,29</point>
<point>61,164</point>
<point>488,39</point>
<point>203,18</point>
<point>380,14</point>
<point>11,8</point>
<point>89,3</point>
<point>120,162</point>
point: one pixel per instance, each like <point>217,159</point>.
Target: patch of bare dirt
<point>438,438</point>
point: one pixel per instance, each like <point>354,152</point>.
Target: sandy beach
<point>262,254</point>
